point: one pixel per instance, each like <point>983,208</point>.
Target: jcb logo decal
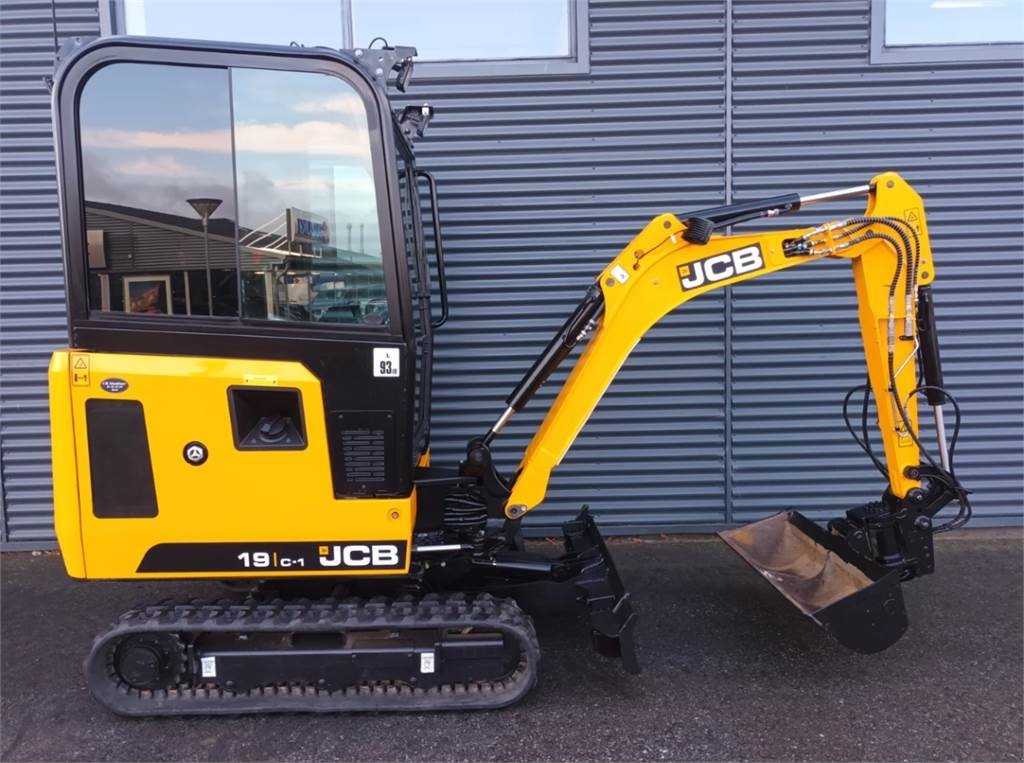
<point>359,555</point>
<point>313,556</point>
<point>719,267</point>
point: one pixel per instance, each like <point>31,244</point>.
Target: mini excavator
<point>248,401</point>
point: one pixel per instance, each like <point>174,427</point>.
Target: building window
<point>266,22</point>
<point>458,37</point>
<point>469,30</point>
<point>946,30</point>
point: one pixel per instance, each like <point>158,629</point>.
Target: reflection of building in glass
<point>151,262</point>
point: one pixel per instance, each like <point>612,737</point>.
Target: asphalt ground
<point>732,672</point>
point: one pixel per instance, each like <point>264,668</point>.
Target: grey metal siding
<point>730,408</point>
<point>542,180</point>
<point>32,310</point>
<point>810,112</point>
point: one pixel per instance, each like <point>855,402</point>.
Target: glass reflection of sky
<point>309,22</point>
<point>953,22</point>
<point>441,29</point>
<point>301,140</point>
<point>452,30</point>
<point>154,136</point>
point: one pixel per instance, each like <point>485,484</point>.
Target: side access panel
<point>173,479</point>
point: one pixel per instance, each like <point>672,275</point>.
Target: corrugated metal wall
<point>729,409</point>
<point>542,180</point>
<point>809,112</point>
<point>32,311</point>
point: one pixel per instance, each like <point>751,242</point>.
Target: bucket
<point>858,601</point>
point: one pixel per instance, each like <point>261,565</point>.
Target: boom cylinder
<point>572,332</point>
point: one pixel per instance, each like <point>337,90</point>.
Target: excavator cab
<point>248,293</point>
<point>245,395</point>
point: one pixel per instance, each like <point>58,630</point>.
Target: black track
<point>192,697</point>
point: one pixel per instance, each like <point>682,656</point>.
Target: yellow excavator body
<point>219,501</point>
<point>245,396</point>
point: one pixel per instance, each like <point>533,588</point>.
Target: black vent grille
<point>120,469</point>
<point>363,451</point>
<point>364,454</point>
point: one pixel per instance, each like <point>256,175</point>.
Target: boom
<point>660,269</point>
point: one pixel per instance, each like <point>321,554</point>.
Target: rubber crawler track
<point>431,611</point>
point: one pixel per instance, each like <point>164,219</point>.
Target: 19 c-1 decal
<point>313,556</point>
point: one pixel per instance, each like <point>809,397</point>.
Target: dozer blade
<point>612,619</point>
<point>858,601</point>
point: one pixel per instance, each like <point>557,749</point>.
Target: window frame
<point>577,62</point>
<point>112,22</point>
<point>881,53</point>
<point>227,56</point>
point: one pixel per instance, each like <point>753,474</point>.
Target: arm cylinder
<point>700,225</point>
<point>931,367</point>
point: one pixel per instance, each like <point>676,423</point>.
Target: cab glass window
<point>230,192</point>
<point>159,190</point>
<point>308,232</point>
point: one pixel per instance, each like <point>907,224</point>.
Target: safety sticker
<point>426,662</point>
<point>208,666</point>
<point>620,274</point>
<point>385,361</point>
<point>913,216</point>
<point>80,370</point>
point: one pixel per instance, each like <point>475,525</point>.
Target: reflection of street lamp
<point>204,208</point>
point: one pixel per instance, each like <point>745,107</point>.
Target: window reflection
<point>165,155</point>
<point>953,22</point>
<point>309,237</point>
<point>310,22</point>
<point>152,138</point>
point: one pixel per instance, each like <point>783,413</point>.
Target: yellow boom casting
<point>659,270</point>
<point>246,398</point>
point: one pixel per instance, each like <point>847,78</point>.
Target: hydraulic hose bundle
<point>906,244</point>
